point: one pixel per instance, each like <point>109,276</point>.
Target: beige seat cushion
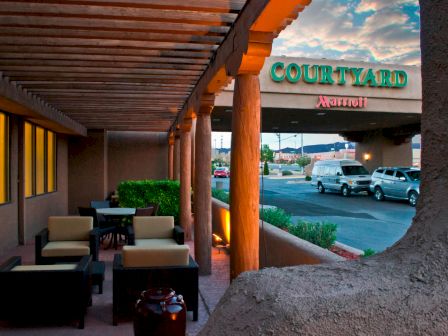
<point>59,267</point>
<point>69,228</point>
<point>164,255</point>
<point>153,227</point>
<point>155,242</point>
<point>66,249</point>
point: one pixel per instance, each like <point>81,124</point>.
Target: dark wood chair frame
<point>128,283</point>
<point>41,240</point>
<point>52,296</point>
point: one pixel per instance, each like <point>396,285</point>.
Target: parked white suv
<point>344,176</point>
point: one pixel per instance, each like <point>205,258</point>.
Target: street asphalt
<point>362,222</point>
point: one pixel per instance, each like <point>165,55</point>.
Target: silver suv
<point>397,183</point>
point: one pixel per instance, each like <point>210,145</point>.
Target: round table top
<point>116,211</point>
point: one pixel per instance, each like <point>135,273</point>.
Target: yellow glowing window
<point>29,162</point>
<point>40,160</point>
<point>4,158</point>
<point>51,162</point>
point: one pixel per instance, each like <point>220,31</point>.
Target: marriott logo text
<point>328,102</point>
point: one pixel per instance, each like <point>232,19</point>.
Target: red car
<point>221,172</point>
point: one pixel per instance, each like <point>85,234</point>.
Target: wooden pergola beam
<point>15,100</point>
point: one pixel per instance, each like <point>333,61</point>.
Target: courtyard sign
<point>326,74</point>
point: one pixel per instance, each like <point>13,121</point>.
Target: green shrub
<point>286,172</point>
<point>222,195</point>
<point>369,252</point>
<point>266,169</point>
<point>307,178</point>
<point>277,217</point>
<point>137,194</point>
<point>321,234</point>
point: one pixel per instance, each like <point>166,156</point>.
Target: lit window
<point>51,161</point>
<point>4,158</point>
<point>29,161</point>
<point>40,160</point>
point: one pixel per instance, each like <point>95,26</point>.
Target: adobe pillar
<point>176,161</point>
<point>202,191</point>
<point>193,150</point>
<point>244,181</point>
<point>171,156</point>
<point>185,177</point>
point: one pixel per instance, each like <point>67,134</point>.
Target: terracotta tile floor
<point>99,315</point>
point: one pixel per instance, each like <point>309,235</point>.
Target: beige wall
<point>383,152</point>
<point>100,161</point>
<point>301,95</point>
<point>9,211</point>
<point>35,209</point>
<point>87,176</point>
<point>277,247</point>
<point>137,156</point>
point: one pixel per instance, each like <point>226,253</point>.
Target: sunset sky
<point>383,31</point>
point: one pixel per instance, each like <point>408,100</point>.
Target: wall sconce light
<point>218,242</point>
<point>366,156</point>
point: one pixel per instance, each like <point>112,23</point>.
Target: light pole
<point>346,148</point>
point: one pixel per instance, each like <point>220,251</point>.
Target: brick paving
<point>99,315</point>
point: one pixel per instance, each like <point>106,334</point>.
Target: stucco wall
<point>38,208</point>
<point>277,247</point>
<point>136,156</point>
<point>35,209</point>
<point>9,211</point>
<point>383,152</point>
<point>87,177</point>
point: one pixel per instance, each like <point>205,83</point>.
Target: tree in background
<point>267,154</point>
<point>266,168</point>
<point>303,161</point>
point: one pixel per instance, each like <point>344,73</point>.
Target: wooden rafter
<point>126,64</point>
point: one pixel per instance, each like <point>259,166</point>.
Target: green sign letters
<point>326,74</point>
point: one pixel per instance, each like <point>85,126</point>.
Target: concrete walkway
<point>99,315</point>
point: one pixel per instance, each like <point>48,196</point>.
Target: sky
<point>378,31</point>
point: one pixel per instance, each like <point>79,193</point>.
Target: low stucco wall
<point>277,247</point>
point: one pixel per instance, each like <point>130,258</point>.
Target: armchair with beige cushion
<point>155,231</point>
<point>141,267</point>
<point>67,238</point>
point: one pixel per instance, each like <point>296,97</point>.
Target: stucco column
<point>202,191</point>
<point>171,156</point>
<point>244,181</point>
<point>185,178</point>
<point>176,161</point>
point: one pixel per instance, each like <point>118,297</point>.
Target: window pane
<point>3,158</point>
<point>51,166</point>
<point>40,160</point>
<point>29,160</point>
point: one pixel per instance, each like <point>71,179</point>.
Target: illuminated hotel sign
<point>341,75</point>
<point>328,102</point>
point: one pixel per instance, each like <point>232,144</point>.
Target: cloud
<point>367,30</point>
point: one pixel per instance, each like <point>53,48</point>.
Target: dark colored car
<point>221,172</point>
<point>396,183</point>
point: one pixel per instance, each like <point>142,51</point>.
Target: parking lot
<point>362,222</point>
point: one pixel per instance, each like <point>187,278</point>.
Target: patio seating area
<point>98,320</point>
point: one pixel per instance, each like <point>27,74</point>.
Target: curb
<point>349,248</point>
